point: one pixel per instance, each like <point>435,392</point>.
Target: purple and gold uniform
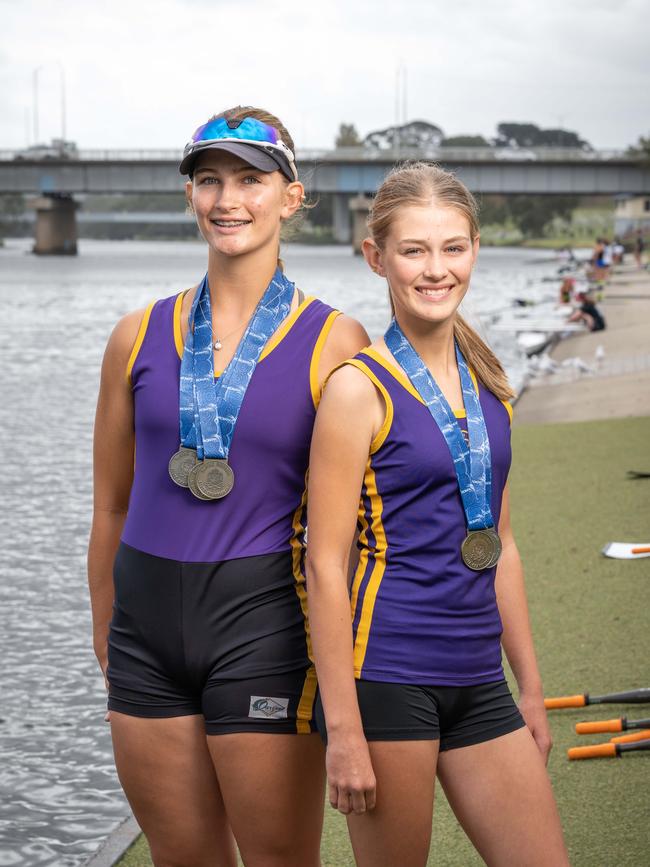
<point>420,615</point>
<point>426,628</point>
<point>210,603</point>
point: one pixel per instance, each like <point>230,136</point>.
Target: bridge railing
<point>344,154</point>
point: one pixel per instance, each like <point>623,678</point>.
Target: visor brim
<point>258,157</point>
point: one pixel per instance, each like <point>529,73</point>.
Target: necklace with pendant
<point>218,341</point>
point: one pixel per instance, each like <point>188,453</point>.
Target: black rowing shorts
<point>226,640</point>
<point>458,716</point>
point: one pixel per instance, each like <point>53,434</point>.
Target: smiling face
<point>240,209</point>
<point>427,259</point>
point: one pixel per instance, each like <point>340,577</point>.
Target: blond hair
<point>417,183</point>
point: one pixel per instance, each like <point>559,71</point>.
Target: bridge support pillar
<point>341,222</point>
<point>359,208</point>
<point>56,225</point>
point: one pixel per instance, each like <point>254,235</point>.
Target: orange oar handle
<point>598,751</point>
<point>642,735</point>
<point>593,728</point>
<point>565,701</point>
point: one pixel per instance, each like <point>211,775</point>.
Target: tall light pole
<point>38,69</point>
<point>35,101</point>
<point>62,82</point>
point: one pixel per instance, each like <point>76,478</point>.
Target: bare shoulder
<point>347,336</point>
<point>349,387</point>
<point>123,337</point>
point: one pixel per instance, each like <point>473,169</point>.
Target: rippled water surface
<point>59,796</point>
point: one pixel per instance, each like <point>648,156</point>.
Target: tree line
<point>423,134</point>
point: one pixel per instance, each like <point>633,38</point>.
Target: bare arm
<point>350,413</point>
<point>517,639</point>
<point>346,338</point>
<point>112,476</point>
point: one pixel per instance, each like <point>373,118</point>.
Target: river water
<point>59,795</point>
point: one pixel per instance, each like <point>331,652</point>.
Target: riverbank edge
<point>116,845</point>
<point>605,395</point>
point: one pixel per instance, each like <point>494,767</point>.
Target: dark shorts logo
<point>267,707</point>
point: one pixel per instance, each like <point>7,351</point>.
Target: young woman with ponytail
<point>412,445</point>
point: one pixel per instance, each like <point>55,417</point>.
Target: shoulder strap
<point>384,430</point>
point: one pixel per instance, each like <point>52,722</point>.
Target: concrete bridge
<point>350,175</point>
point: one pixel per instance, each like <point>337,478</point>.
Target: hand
<point>352,784</point>
<point>103,664</point>
<point>534,713</point>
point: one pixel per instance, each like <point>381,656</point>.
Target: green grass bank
<point>570,495</point>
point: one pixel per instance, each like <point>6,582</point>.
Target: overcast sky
<point>146,73</point>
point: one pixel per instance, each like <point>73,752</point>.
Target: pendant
<point>217,344</point>
<point>481,549</point>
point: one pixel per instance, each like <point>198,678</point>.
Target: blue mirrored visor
<point>252,140</point>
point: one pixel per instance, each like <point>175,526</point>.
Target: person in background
<point>639,248</point>
<point>195,561</point>
<point>566,290</point>
<point>618,251</point>
<point>588,313</point>
<point>411,448</point>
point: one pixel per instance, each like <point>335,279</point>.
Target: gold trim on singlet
<point>305,711</point>
<point>276,338</point>
<point>384,430</point>
<point>378,569</point>
<point>142,330</point>
<point>398,374</point>
<point>314,384</point>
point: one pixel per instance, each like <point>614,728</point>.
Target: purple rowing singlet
<point>265,511</point>
<point>420,615</point>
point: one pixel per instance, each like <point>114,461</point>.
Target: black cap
<point>262,157</point>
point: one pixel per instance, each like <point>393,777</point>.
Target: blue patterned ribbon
<point>473,465</point>
<point>208,409</point>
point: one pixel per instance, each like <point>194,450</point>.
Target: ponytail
<point>482,360</point>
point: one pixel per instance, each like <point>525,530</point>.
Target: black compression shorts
<point>458,716</point>
<point>226,640</point>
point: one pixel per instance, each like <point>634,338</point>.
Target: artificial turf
<point>570,495</point>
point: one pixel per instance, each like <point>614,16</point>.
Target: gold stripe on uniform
<point>379,567</point>
<point>142,330</point>
<point>306,704</point>
<point>314,384</point>
<point>178,334</point>
<point>288,323</point>
<point>395,371</point>
<point>279,335</point>
<point>384,430</point>
<point>362,565</point>
<point>403,379</point>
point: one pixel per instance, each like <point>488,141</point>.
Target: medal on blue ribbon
<point>209,409</point>
<point>481,547</point>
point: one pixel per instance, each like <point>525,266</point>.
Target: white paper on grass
<point>623,550</point>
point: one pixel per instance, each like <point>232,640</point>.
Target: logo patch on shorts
<point>265,707</point>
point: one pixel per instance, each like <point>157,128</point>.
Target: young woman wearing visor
<point>196,550</point>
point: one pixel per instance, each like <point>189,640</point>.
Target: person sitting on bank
<point>588,313</point>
